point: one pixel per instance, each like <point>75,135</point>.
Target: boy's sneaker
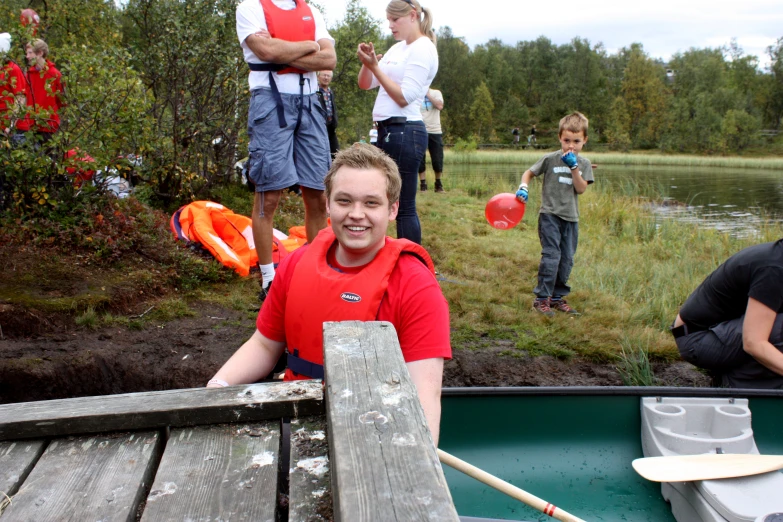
<point>439,186</point>
<point>423,186</point>
<point>562,306</point>
<point>542,306</point>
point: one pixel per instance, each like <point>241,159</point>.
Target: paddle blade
<point>684,468</point>
<point>504,211</point>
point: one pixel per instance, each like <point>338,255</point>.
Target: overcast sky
<point>664,27</point>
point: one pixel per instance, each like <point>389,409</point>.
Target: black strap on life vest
<point>301,367</point>
<point>276,67</point>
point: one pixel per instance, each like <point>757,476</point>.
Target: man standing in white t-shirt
<point>430,113</point>
<point>284,42</point>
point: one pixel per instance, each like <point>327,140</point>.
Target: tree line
<point>165,79</point>
<point>704,100</point>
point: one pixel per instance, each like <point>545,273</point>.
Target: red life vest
<point>324,294</point>
<point>294,25</point>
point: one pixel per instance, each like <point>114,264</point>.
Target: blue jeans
<point>558,245</point>
<point>406,144</point>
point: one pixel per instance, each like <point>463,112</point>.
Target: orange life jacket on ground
<point>318,293</point>
<point>228,236</point>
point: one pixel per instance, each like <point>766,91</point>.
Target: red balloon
<point>504,211</point>
<point>28,16</point>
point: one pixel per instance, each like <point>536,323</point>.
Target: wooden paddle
<point>509,489</point>
<point>684,468</point>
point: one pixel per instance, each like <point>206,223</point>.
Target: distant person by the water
<point>430,111</point>
<point>403,76</point>
<point>732,324</point>
<point>566,175</point>
<point>531,139</point>
<point>515,134</point>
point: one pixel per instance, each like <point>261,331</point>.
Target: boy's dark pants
<point>558,245</point>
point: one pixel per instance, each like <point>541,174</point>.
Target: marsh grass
<point>634,365</point>
<point>529,157</point>
<point>631,275</point>
<point>170,308</point>
<point>89,319</point>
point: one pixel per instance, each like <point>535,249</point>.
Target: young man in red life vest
<point>12,88</point>
<point>394,278</point>
<point>284,42</point>
<point>44,94</point>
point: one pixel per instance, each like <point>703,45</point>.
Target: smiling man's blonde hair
<point>367,157</point>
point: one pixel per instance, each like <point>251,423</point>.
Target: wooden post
<point>384,464</point>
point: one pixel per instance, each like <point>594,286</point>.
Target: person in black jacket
<point>326,95</point>
<point>732,324</point>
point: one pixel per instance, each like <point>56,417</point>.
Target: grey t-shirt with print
<point>558,196</point>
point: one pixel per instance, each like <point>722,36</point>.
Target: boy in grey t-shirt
<point>565,175</point>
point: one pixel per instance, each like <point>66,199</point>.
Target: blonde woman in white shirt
<point>403,76</point>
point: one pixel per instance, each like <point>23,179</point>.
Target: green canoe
<point>572,447</point>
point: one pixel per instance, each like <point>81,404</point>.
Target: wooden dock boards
<point>16,461</point>
<point>310,489</point>
<point>384,464</point>
<point>191,407</point>
<point>218,472</point>
<point>379,464</point>
<point>88,478</point>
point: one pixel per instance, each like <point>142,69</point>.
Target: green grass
<point>634,365</point>
<point>89,319</point>
<point>631,275</point>
<point>632,271</point>
<point>529,157</point>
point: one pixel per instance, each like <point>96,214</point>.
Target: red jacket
<point>44,86</point>
<point>12,83</point>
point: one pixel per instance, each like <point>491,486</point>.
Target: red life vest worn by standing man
<point>293,25</point>
<point>324,294</point>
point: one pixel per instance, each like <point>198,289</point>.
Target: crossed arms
<point>307,55</point>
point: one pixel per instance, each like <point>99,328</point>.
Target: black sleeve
<point>767,287</point>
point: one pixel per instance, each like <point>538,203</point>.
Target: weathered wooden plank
<point>310,490</point>
<point>88,478</point>
<point>384,465</point>
<point>219,472</point>
<point>16,461</point>
<point>137,411</point>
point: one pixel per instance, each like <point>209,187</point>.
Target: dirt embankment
<point>184,353</point>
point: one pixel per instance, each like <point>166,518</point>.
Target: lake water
<point>732,200</point>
